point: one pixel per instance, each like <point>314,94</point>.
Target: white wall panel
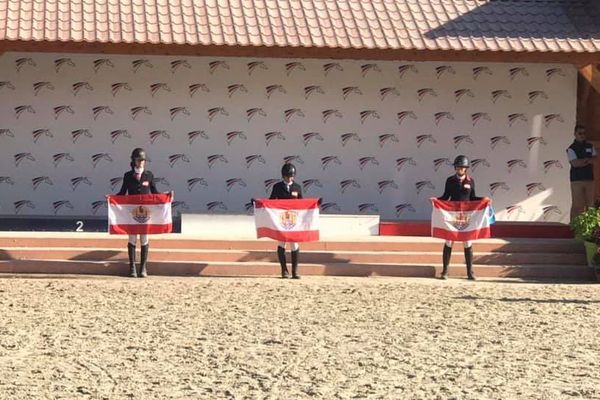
<point>541,96</point>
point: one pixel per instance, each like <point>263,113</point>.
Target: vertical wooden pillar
<point>588,100</point>
<point>588,110</point>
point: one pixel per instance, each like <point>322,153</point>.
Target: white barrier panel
<point>364,136</point>
<point>238,226</point>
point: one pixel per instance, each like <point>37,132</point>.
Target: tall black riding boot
<point>143,259</point>
<point>295,264</point>
<point>131,254</point>
<point>469,262</point>
<point>446,261</point>
<point>282,261</point>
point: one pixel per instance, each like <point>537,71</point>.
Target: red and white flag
<point>460,220</point>
<point>140,214</point>
<point>287,220</point>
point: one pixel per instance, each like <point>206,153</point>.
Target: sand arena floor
<point>318,338</point>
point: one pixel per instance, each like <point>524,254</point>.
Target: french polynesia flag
<point>461,220</point>
<point>140,214</point>
<point>287,220</point>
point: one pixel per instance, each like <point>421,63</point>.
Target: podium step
<point>185,255</point>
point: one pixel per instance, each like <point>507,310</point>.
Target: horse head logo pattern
<point>196,134</point>
<point>347,137</point>
<point>136,65</point>
<point>334,66</point>
<point>270,136</point>
<point>256,65</point>
<point>63,62</point>
<point>387,137</point>
<point>274,89</point>
<point>215,66</point>
<point>7,85</point>
<point>310,136</point>
<point>102,63</point>
<point>254,159</point>
<point>175,158</point>
<point>495,186</point>
<point>310,183</point>
<point>158,87</point>
<point>38,133</point>
<point>79,180</point>
<point>98,157</point>
<point>388,91</point>
<point>403,161</point>
<point>59,157</point>
<point>463,93</point>
<point>402,208</point>
<point>39,86</point>
<point>479,162</point>
<point>198,87</point>
<point>154,135</point>
<point>313,89</point>
<point>349,90</point>
<point>386,184</point>
<point>37,181</point>
<point>231,183</point>
<point>460,139</point>
<point>439,162</point>
<point>480,116</point>
<point>403,69</point>
<point>213,159</point>
<point>366,68</point>
<point>177,64</point>
<point>19,157</point>
<point>193,182</point>
<point>329,160</point>
<point>478,71</point>
<point>20,63</point>
<point>496,140</point>
<point>76,134</point>
<point>534,187</point>
<point>444,70</point>
<point>349,183</point>
<point>231,136</point>
<point>79,86</point>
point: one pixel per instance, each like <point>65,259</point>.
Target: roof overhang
<point>578,59</point>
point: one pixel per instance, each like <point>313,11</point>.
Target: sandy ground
<point>318,338</point>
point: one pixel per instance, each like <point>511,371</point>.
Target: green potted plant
<point>586,227</point>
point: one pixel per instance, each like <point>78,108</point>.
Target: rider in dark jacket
<point>138,180</point>
<point>287,189</point>
<point>459,187</point>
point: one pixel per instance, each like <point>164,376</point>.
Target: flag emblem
<point>288,219</point>
<point>141,214</point>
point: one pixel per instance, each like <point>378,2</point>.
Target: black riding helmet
<point>138,154</point>
<point>288,170</point>
<point>461,161</point>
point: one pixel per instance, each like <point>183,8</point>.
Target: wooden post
<point>588,100</point>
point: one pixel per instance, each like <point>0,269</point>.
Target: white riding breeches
<point>293,245</point>
<point>467,244</point>
<point>143,239</point>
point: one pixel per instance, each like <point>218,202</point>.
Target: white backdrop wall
<point>367,137</point>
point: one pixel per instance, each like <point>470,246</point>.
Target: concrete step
<point>252,256</point>
<point>376,243</point>
<point>170,268</point>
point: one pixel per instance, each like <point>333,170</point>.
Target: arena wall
<point>368,137</point>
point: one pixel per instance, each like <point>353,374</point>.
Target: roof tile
<point>484,25</point>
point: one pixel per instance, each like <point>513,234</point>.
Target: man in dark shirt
<point>582,155</point>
